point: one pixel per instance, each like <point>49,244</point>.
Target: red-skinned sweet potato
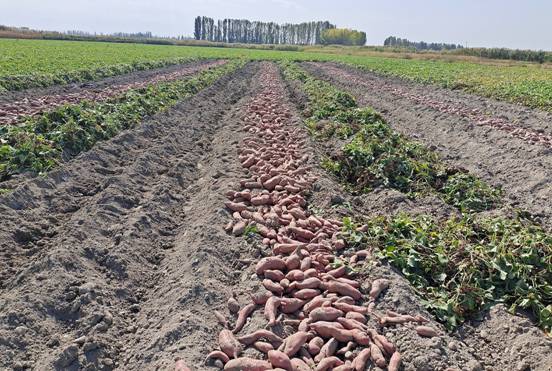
<point>272,286</point>
<point>263,347</point>
<point>328,349</point>
<point>229,344</point>
<point>271,337</point>
<point>328,364</point>
<point>376,356</point>
<point>378,286</point>
<point>394,362</point>
<point>294,342</point>
<point>271,309</point>
<point>325,314</point>
<point>361,360</point>
<point>315,345</point>
<point>217,354</point>
<point>343,289</point>
<point>279,359</point>
<point>243,314</point>
<point>306,294</point>
<point>247,364</point>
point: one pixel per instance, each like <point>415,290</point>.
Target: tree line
<point>419,45</point>
<point>247,32</point>
<point>343,36</point>
<point>539,56</point>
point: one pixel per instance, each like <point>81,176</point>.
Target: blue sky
<point>508,23</point>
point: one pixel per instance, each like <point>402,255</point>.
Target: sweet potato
<point>311,272</point>
<point>261,334</point>
<point>378,286</point>
<point>306,294</point>
<point>346,299</point>
<point>290,305</point>
<point>347,366</point>
<point>328,364</point>
<point>344,289</point>
<point>181,366</point>
<point>385,320</point>
<point>361,360</point>
<point>295,275</point>
<point>294,342</point>
<point>239,228</point>
<point>263,347</point>
<point>243,314</point>
<point>271,310</point>
<point>229,344</point>
<point>327,350</point>
<point>306,263</point>
<point>261,200</point>
<point>394,362</point>
<point>284,248</point>
<point>274,275</point>
<point>426,331</point>
<point>350,308</point>
<point>304,325</point>
<point>331,329</point>
<point>247,364</point>
<point>353,283</point>
<point>309,283</point>
<point>360,337</point>
<point>315,345</point>
<point>338,272</point>
<point>302,233</point>
<point>279,359</point>
<point>274,287</point>
<point>316,303</point>
<point>298,365</point>
<point>221,319</point>
<point>377,356</point>
<point>325,314</point>
<point>351,324</point>
<point>381,341</point>
<point>270,263</point>
<point>357,317</point>
<point>217,354</point>
<point>261,297</point>
<point>235,206</point>
<point>339,244</point>
<point>293,262</point>
<point>272,182</point>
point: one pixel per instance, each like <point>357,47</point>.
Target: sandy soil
<point>118,259</point>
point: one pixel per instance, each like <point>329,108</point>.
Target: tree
<point>343,36</point>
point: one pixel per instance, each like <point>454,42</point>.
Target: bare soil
<point>118,259</point>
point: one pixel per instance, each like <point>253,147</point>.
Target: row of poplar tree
<point>244,31</point>
<point>419,45</point>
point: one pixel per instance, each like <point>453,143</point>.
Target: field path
<point>15,106</point>
<point>522,169</point>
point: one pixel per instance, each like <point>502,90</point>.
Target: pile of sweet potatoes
<point>307,285</point>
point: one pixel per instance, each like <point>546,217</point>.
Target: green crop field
<point>28,63</point>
